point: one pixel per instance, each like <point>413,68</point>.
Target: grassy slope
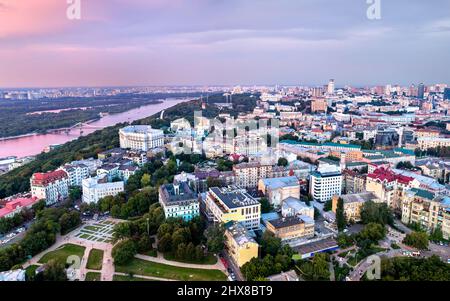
<point>63,253</point>
<point>147,268</point>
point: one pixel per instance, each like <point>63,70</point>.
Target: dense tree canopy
<point>380,213</point>
<point>414,269</point>
<point>215,238</point>
<point>340,215</point>
<point>124,251</point>
<point>417,240</point>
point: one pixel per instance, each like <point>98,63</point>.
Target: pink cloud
<point>24,17</point>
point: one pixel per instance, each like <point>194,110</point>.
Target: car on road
<point>233,276</point>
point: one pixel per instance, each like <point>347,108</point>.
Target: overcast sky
<point>189,42</point>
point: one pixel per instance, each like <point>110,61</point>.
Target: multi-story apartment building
<point>231,204</point>
<point>239,244</point>
<point>325,183</point>
<point>52,186</point>
<point>432,142</point>
<point>438,169</point>
<point>388,186</point>
<point>292,227</point>
<point>138,157</point>
<point>422,182</point>
<point>353,204</point>
<point>348,155</point>
<point>110,170</point>
<point>279,189</point>
<point>179,201</point>
<point>249,144</point>
<point>126,171</point>
<point>427,133</point>
<point>76,173</point>
<point>98,187</point>
<point>353,182</point>
<point>247,175</point>
<point>427,210</point>
<point>319,105</point>
<point>141,137</point>
<point>91,163</point>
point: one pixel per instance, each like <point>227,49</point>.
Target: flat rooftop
<point>318,246</point>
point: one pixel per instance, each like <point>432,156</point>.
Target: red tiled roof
<point>19,202</point>
<point>388,175</point>
<point>49,177</point>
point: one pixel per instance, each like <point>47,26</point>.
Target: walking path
<point>107,271</point>
<point>145,277</point>
<point>160,259</point>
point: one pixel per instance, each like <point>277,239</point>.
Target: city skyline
<point>153,43</point>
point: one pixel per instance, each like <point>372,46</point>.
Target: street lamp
<point>148,227</point>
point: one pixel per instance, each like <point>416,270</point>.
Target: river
<point>34,144</point>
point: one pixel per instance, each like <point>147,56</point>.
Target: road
<point>401,226</point>
<point>233,266</point>
<point>362,266</point>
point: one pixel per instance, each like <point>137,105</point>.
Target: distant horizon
<point>338,86</point>
<point>201,42</point>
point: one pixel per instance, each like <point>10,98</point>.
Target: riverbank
<point>76,122</point>
<point>34,143</point>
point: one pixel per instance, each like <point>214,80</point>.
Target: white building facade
<point>325,183</point>
<point>76,173</point>
<point>97,188</point>
<point>141,137</point>
<point>52,186</point>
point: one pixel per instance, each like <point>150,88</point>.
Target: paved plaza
<point>99,231</point>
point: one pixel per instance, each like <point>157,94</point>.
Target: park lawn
<point>151,252</point>
<point>95,259</point>
<point>62,253</point>
<point>93,276</point>
<point>92,228</point>
<point>148,268</point>
<point>210,259</point>
<point>128,278</point>
<point>32,269</point>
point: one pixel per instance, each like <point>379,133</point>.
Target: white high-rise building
<point>330,88</point>
<point>325,183</point>
<point>141,137</point>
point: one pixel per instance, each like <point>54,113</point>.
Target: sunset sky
<point>189,42</point>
